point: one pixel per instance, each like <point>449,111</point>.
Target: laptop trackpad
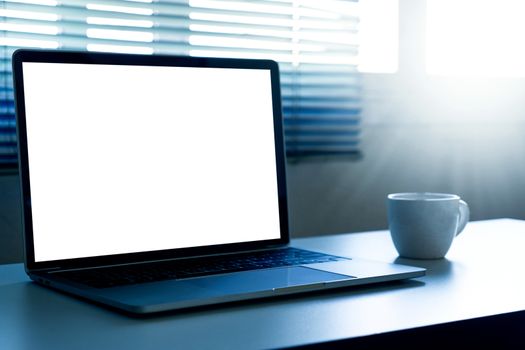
<point>260,280</point>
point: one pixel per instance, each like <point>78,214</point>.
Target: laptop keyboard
<point>195,267</point>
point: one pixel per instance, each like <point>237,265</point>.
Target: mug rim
<point>422,196</point>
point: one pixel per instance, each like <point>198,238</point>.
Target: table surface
<point>480,276</point>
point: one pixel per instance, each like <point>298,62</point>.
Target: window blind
<point>315,43</point>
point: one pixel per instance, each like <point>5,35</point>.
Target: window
<point>481,38</point>
<point>315,42</point>
<point>378,36</point>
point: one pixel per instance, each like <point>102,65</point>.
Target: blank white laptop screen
<point>127,159</point>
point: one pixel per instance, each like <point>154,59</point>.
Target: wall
<point>10,220</point>
<point>420,133</point>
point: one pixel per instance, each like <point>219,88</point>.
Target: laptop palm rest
<point>164,295</point>
<point>267,279</point>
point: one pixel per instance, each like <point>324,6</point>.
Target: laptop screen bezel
<point>54,56</point>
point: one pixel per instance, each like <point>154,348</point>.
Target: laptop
<point>155,183</point>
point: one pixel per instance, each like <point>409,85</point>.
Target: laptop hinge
<point>47,269</point>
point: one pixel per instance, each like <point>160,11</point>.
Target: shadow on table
<point>435,267</point>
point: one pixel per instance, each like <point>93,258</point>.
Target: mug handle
<point>464,216</point>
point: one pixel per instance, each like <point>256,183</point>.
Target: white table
<point>481,277</point>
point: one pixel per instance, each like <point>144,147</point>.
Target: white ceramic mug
<point>423,225</point>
